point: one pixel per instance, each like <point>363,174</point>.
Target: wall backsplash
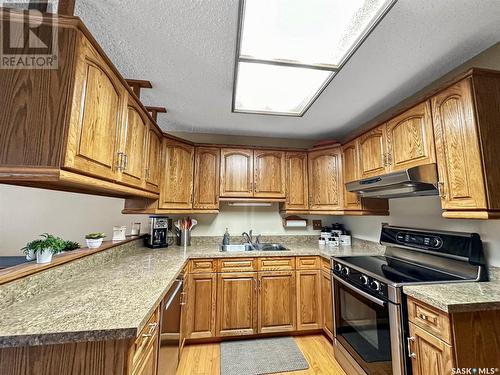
<point>425,212</point>
<point>26,212</point>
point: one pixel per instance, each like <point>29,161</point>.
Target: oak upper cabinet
<point>236,173</point>
<point>410,140</point>
<point>277,306</point>
<point>325,179</point>
<point>309,308</point>
<point>326,302</point>
<point>98,114</point>
<point>430,355</point>
<point>297,189</point>
<point>350,169</point>
<point>154,155</point>
<point>372,153</point>
<point>177,175</point>
<point>206,178</point>
<point>461,174</point>
<point>132,155</point>
<point>237,304</point>
<point>269,177</point>
<point>202,296</point>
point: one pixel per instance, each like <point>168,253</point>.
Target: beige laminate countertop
<point>111,295</point>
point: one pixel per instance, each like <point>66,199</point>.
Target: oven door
<point>368,328</point>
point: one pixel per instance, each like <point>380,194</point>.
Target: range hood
<point>416,181</point>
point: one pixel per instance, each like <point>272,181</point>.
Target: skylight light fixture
<point>288,51</point>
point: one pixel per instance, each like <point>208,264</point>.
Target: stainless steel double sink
<point>254,247</point>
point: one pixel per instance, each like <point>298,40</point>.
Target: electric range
<point>370,317</point>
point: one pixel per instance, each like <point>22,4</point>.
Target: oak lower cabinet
<point>327,302</point>
<point>201,312</point>
<point>325,180</point>
<point>177,175</point>
<point>276,305</point>
<point>309,309</point>
<point>206,178</point>
<point>430,355</point>
<point>236,304</point>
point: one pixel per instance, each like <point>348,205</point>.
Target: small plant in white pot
<point>45,248</point>
<point>94,240</point>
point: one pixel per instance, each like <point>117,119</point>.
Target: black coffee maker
<point>158,232</point>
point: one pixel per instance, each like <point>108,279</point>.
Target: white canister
<point>345,240</point>
<point>119,233</point>
<point>332,242</point>
<point>44,256</point>
<point>321,241</point>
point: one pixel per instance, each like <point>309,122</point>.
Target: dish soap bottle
<point>227,238</point>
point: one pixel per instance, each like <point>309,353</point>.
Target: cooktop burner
<point>397,271</point>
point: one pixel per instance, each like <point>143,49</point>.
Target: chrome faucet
<point>248,238</point>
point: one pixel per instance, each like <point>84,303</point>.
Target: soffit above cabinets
<point>186,48</point>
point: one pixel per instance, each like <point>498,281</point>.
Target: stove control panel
<point>421,240</point>
<point>360,280</point>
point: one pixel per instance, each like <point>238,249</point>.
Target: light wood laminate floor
<point>204,359</point>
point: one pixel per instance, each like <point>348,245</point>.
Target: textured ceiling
<point>186,49</point>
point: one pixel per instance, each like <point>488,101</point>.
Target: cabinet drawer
<point>143,341</point>
<point>237,265</point>
<point>430,319</point>
<point>276,263</point>
<point>308,263</point>
<point>325,265</point>
<point>203,266</point>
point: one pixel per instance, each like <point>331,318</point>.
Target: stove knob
<point>364,280</point>
<point>337,267</point>
<point>346,271</point>
<point>375,285</point>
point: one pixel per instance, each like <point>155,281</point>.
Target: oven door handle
<point>363,293</point>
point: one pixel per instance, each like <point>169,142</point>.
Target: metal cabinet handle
<point>119,162</point>
<point>440,186</point>
<point>389,158</point>
<point>152,328</point>
<point>408,343</point>
<point>384,159</point>
<point>125,161</point>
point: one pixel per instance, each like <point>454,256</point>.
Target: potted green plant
<point>94,240</point>
<point>71,245</point>
<point>44,248</point>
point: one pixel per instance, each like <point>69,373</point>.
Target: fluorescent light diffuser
<point>289,50</point>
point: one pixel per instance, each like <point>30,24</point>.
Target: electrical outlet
<point>317,224</point>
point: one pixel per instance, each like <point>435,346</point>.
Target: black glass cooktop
<point>397,271</point>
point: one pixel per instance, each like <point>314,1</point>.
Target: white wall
<point>26,212</point>
<point>425,212</point>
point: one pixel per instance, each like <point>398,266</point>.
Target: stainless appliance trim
<point>361,292</point>
<point>415,181</point>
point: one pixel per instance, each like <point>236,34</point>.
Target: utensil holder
<point>184,237</point>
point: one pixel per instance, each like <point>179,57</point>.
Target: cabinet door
<point>201,305</point>
<point>206,178</point>
<point>149,362</point>
<point>97,115</point>
<point>177,188</point>
<point>325,180</point>
<point>237,304</point>
<point>326,302</point>
<point>430,354</point>
<point>133,149</point>
<point>236,173</point>
<point>457,148</point>
<point>297,195</point>
<point>269,174</point>
<point>410,140</point>
<point>277,302</point>
<point>309,309</point>
<point>372,153</point>
<point>350,169</point>
<point>153,171</point>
